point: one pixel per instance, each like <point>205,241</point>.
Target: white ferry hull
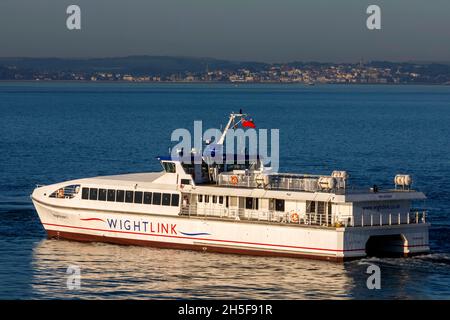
<point>213,235</point>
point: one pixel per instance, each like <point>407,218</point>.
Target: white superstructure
<point>237,208</point>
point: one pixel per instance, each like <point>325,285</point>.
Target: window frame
<point>147,195</point>
<point>102,193</point>
<point>120,195</point>
<point>127,199</point>
<point>165,199</point>
<point>109,197</point>
<point>137,195</point>
<point>85,196</point>
<point>156,195</point>
<point>93,191</point>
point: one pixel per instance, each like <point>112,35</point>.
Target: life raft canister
<point>234,179</point>
<point>294,217</point>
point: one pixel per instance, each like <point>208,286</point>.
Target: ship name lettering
<point>142,226</point>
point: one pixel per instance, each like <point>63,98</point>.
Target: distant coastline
<point>155,69</point>
<point>222,82</point>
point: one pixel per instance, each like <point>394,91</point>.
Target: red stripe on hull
<point>52,234</point>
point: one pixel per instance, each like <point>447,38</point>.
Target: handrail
<point>306,219</point>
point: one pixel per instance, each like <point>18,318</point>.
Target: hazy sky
<point>260,30</point>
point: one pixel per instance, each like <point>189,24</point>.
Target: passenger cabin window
<point>120,196</point>
<point>200,198</point>
<point>310,206</point>
<point>221,199</point>
<point>85,193</point>
<point>102,194</point>
<point>93,193</point>
<point>156,198</point>
<point>175,200</point>
<point>214,199</point>
<point>166,199</point>
<point>111,195</point>
<point>206,198</point>
<point>147,197</point>
<point>169,167</point>
<point>129,196</point>
<point>279,205</point>
<point>138,197</point>
<point>251,203</point>
<point>185,181</point>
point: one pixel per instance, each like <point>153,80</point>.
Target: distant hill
<point>138,65</point>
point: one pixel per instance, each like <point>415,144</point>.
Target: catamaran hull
<point>236,237</point>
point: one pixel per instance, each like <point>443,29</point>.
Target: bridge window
<point>93,193</point>
<point>85,193</point>
<point>102,194</point>
<point>120,197</point>
<point>67,192</point>
<point>138,197</point>
<point>166,199</point>
<point>169,167</point>
<point>156,198</point>
<point>175,200</point>
<point>129,196</point>
<point>185,181</point>
<point>111,195</point>
<point>147,197</point>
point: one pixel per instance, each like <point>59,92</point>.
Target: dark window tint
<point>200,198</point>
<point>227,202</point>
<point>214,199</point>
<point>147,197</point>
<point>128,196</point>
<point>138,197</point>
<point>111,195</point>
<point>279,205</point>
<point>85,193</point>
<point>175,200</point>
<point>102,194</point>
<point>206,198</point>
<point>310,206</point>
<point>185,181</point>
<point>248,203</point>
<point>156,198</point>
<point>169,167</point>
<point>93,193</point>
<point>120,197</point>
<point>221,199</point>
<point>166,199</point>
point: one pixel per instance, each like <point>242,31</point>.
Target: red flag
<point>248,124</point>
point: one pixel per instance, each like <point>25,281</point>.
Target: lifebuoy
<point>234,179</point>
<point>294,217</point>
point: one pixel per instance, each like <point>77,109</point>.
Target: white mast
<point>227,127</point>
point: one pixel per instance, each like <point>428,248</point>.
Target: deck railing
<point>279,181</point>
<point>383,219</point>
<point>306,219</point>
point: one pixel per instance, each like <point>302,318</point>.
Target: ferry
<point>240,208</point>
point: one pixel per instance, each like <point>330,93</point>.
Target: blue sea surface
<point>52,132</point>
